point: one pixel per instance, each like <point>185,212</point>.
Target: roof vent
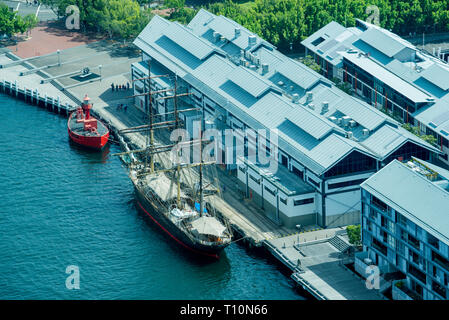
<point>352,123</point>
<point>324,107</point>
<point>349,135</point>
<point>309,96</point>
<point>222,38</point>
<point>280,83</point>
<point>311,106</point>
<point>265,68</point>
<point>333,119</point>
<point>345,120</point>
<point>252,40</point>
<point>295,98</point>
<point>365,132</point>
<point>237,32</point>
<point>216,36</point>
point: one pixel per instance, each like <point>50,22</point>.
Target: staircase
<point>339,243</point>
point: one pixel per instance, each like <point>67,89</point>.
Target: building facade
<point>326,139</point>
<point>405,224</point>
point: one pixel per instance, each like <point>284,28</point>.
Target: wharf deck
<point>316,266</point>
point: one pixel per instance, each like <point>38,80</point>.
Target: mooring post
<point>45,101</point>
<point>17,89</point>
<point>59,104</point>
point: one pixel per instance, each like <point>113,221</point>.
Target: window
<point>242,169</point>
<point>297,172</point>
<point>379,204</point>
<point>354,162</point>
<point>433,241</point>
<point>318,41</point>
<point>436,287</point>
<point>272,192</point>
<point>345,184</point>
<point>283,200</point>
<point>316,184</point>
<point>254,179</point>
<point>302,202</point>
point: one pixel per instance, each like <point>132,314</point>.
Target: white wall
<point>342,202</point>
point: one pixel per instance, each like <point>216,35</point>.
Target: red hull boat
<point>86,130</point>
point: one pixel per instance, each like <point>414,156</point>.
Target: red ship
<point>84,129</point>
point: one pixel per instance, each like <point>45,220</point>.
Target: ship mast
<point>178,168</point>
<point>201,167</point>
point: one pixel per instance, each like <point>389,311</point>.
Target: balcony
<point>401,292</point>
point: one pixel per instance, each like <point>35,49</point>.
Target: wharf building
<point>389,73</point>
<point>328,141</point>
<point>405,228</point>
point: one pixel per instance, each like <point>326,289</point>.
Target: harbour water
<point>61,205</point>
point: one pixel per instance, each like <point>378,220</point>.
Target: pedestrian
<point>116,87</point>
<point>120,87</point>
<point>126,107</point>
<point>112,87</point>
<point>124,87</point>
<point>127,85</point>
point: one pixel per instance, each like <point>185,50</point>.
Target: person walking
<point>127,85</point>
<point>112,87</point>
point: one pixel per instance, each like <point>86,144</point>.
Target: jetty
<point>316,262</point>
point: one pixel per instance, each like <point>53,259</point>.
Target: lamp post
<point>59,57</point>
<point>100,70</point>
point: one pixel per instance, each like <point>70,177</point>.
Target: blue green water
<point>61,205</point>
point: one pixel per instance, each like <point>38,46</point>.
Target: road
<point>43,12</point>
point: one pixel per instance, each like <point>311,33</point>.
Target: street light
<point>100,70</point>
<point>59,57</point>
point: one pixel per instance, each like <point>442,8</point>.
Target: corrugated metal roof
<point>438,75</point>
<point>413,195</point>
<point>387,77</point>
<point>189,41</point>
<point>382,42</point>
<point>299,74</point>
<point>258,102</point>
<point>248,81</point>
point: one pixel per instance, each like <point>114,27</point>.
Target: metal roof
<point>382,42</point>
<point>413,195</point>
<point>438,75</point>
<point>249,81</point>
<point>387,77</point>
<point>255,99</point>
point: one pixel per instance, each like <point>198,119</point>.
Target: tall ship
<point>86,130</point>
<point>177,208</point>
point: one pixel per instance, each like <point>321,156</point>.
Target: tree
<point>309,62</point>
<point>354,234</point>
<point>30,21</point>
<point>10,22</point>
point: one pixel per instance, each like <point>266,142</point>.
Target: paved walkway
<point>315,262</point>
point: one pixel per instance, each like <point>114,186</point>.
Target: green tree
<point>10,22</point>
<point>354,234</point>
<point>30,21</point>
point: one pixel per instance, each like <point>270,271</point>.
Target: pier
<point>316,262</point>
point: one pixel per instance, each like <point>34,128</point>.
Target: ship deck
<point>78,128</point>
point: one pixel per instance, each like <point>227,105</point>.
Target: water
<point>61,205</point>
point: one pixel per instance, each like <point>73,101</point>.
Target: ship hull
<point>153,211</point>
<point>81,138</point>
